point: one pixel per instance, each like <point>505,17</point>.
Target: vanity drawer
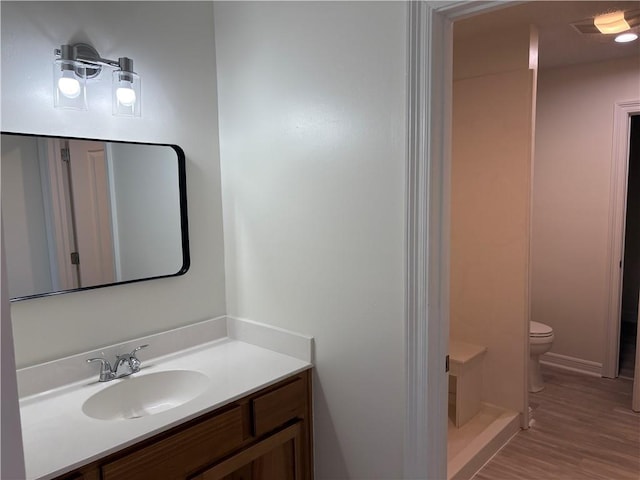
<point>273,409</point>
<point>182,453</point>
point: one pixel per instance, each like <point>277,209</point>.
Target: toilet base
<point>538,345</point>
<point>536,383</point>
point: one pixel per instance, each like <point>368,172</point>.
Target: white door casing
<point>617,212</point>
<point>77,210</point>
<point>430,65</point>
<point>92,214</point>
<point>55,187</point>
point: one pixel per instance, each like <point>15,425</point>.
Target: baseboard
<point>572,363</point>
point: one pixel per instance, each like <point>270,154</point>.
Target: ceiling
<point>559,42</point>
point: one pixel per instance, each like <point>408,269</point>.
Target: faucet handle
<point>105,369</point>
<point>134,361</point>
<point>133,353</point>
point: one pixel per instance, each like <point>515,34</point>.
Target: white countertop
<point>58,437</point>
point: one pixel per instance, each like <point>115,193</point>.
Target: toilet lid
<point>537,329</point>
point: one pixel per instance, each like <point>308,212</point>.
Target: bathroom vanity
<point>224,399</point>
<point>265,435</point>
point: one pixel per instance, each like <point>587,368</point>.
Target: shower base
<point>472,445</point>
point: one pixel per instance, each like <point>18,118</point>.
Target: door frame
<point>428,174</point>
<point>58,213</point>
<point>91,200</point>
<point>617,213</point>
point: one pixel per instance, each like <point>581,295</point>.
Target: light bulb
<point>626,37</point>
<point>125,94</point>
<point>69,85</point>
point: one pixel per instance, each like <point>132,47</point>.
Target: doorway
<point>631,259</point>
<point>430,60</point>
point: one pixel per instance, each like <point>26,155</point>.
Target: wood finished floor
<point>584,430</point>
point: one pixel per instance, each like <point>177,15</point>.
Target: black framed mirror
<point>84,213</point>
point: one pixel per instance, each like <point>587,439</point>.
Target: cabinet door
<point>278,456</point>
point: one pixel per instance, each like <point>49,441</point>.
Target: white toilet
<point>540,340</point>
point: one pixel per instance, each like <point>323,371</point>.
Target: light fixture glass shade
<point>69,85</point>
<point>126,94</point>
<point>610,23</point>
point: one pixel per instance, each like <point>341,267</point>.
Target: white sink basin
<point>142,395</point>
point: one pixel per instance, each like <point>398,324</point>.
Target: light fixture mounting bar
<point>98,61</point>
<point>89,57</point>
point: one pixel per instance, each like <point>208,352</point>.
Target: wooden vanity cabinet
<point>264,436</point>
<point>277,457</point>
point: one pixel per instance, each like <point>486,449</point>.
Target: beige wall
<point>490,205</point>
<point>574,132</point>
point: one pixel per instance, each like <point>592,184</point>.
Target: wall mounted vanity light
<point>75,64</point>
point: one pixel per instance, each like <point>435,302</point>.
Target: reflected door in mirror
<point>85,213</point>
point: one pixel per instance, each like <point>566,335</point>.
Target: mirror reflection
<point>81,214</point>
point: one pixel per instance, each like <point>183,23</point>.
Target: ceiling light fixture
<point>611,23</point>
<point>626,37</point>
<point>75,64</point>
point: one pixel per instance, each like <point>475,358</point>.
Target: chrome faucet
<point>124,365</point>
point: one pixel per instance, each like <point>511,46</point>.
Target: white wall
<point>172,47</point>
<point>312,131</point>
<point>574,134</point>
<point>11,456</point>
<point>23,210</point>
<point>147,210</point>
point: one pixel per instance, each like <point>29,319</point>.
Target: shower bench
<point>465,381</point>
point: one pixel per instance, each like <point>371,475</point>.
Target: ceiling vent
<point>587,27</point>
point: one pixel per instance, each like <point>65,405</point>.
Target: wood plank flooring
<point>584,430</point>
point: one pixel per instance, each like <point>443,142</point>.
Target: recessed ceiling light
<point>611,23</point>
<point>626,37</point>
